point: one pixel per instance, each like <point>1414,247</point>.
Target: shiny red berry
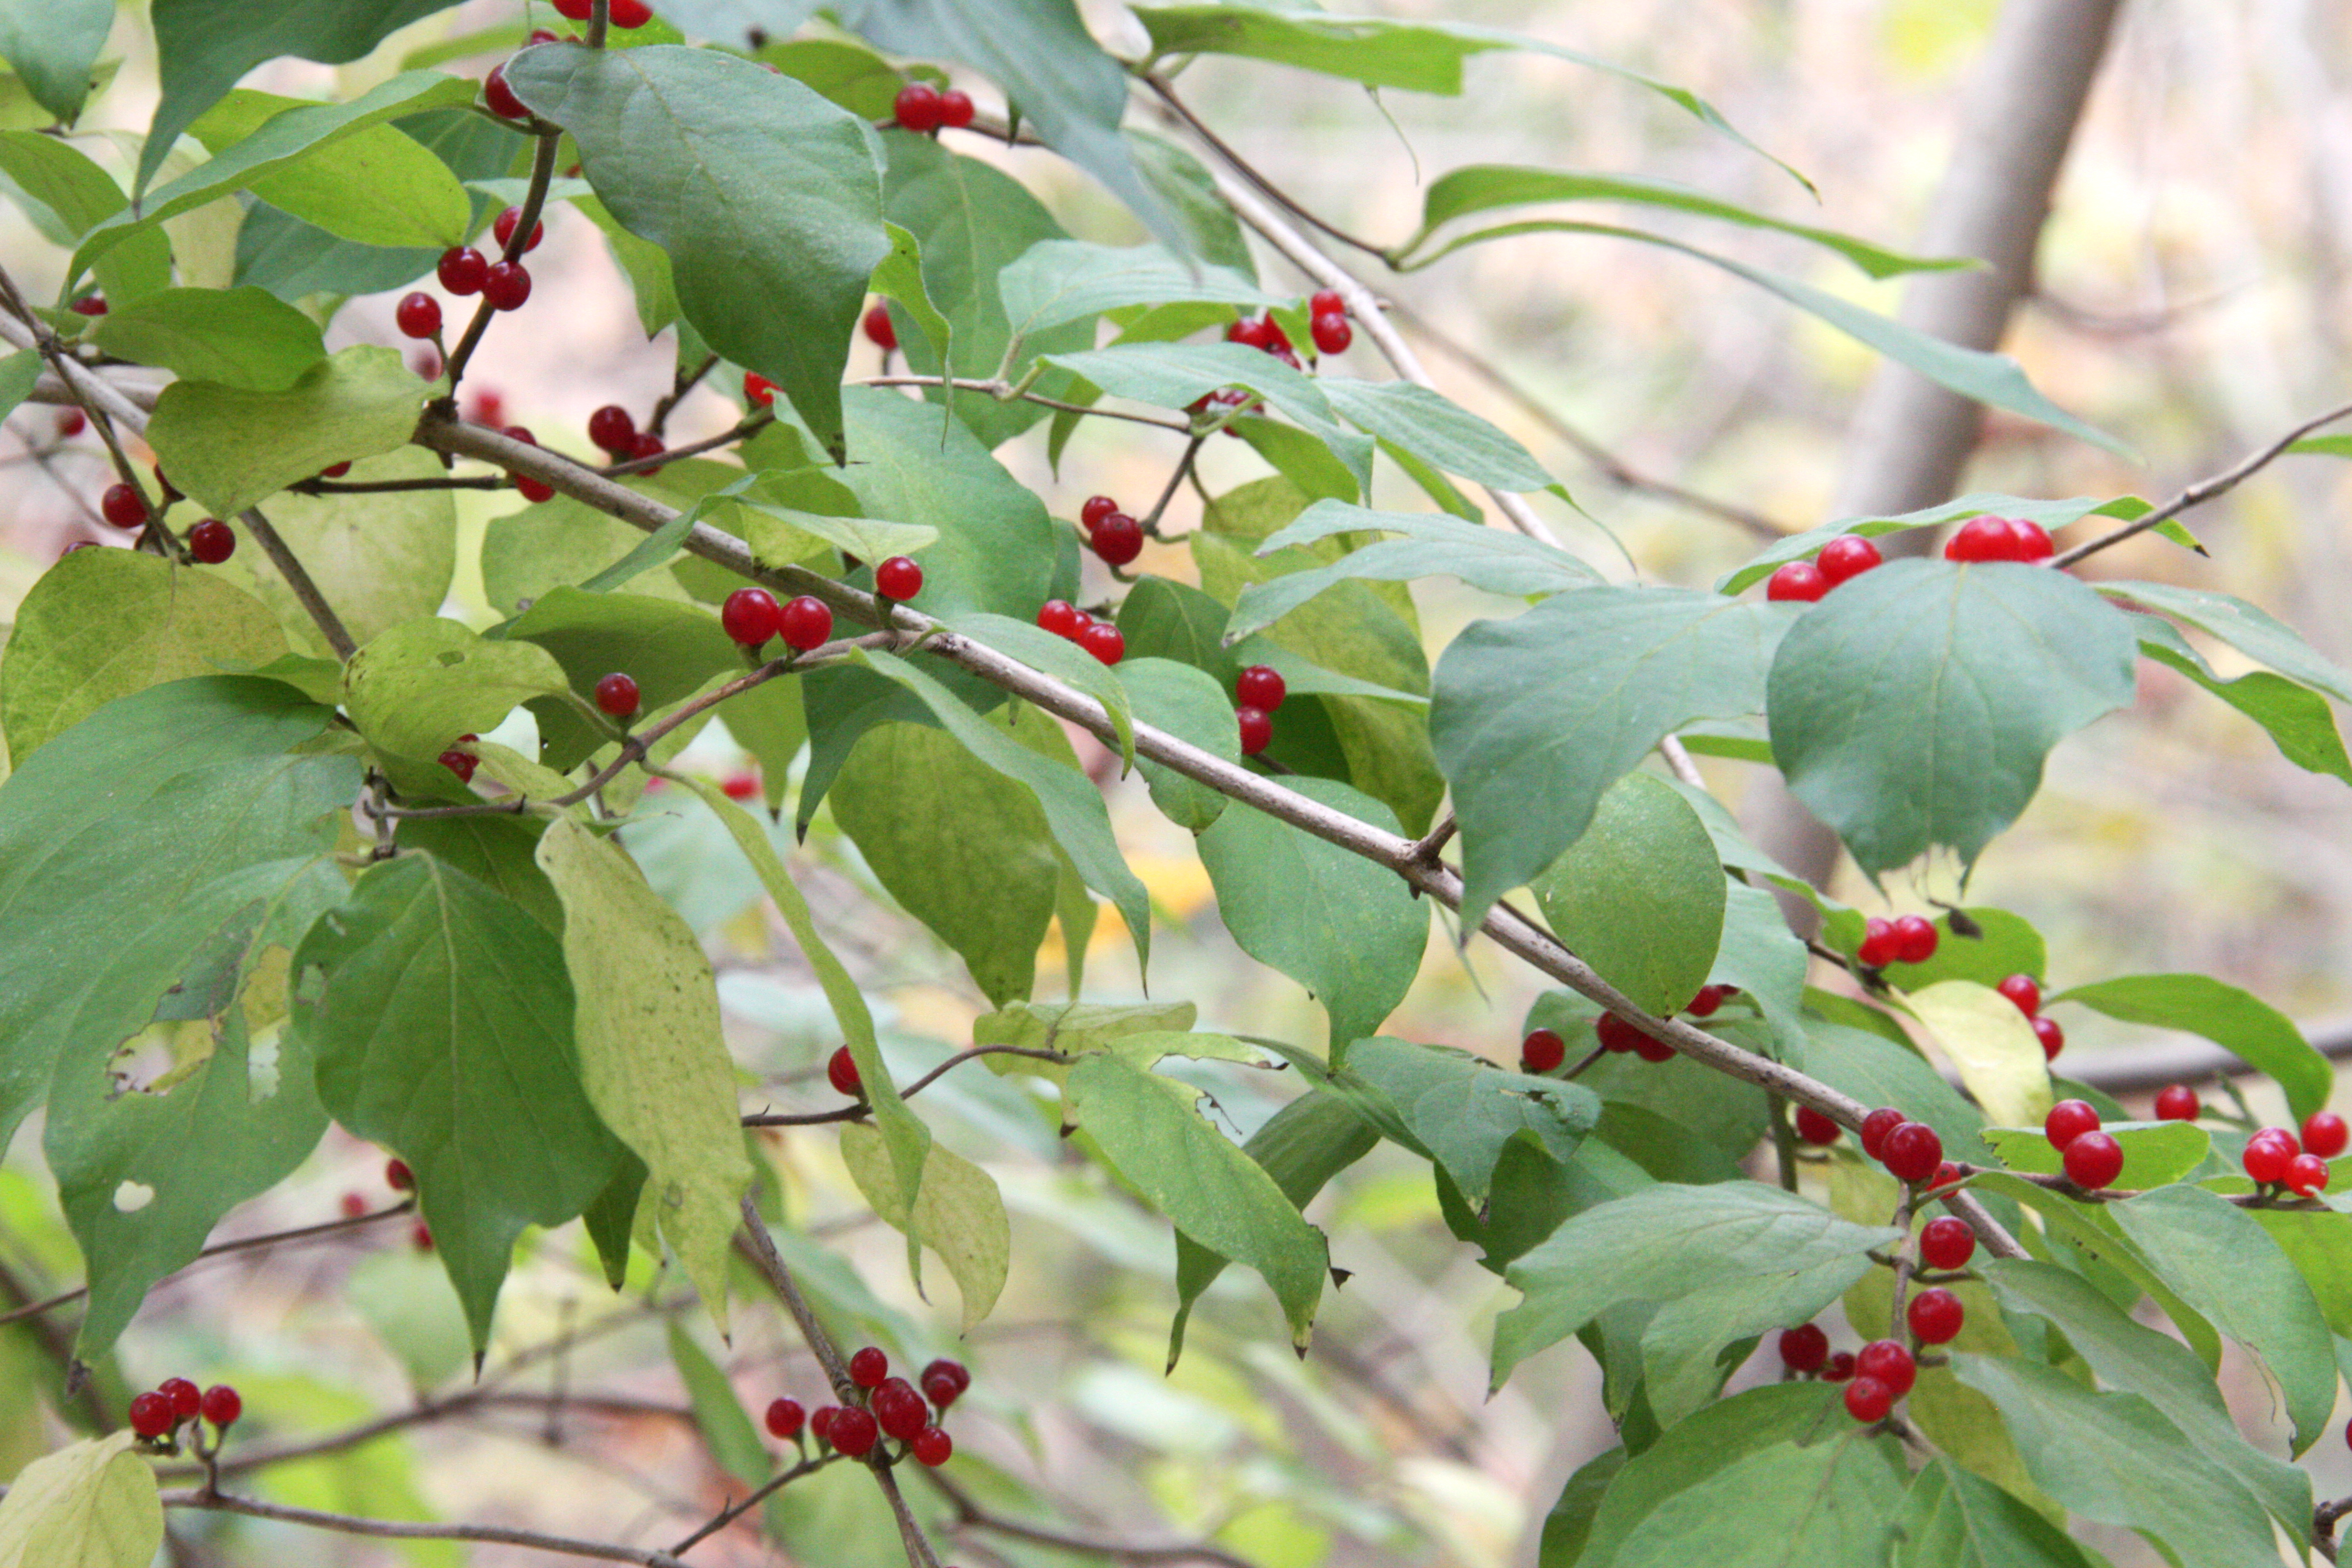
<point>820,1424</point>
<point>1867,1399</point>
<point>1615,1033</point>
<point>785,1419</point>
<point>2069,1119</point>
<point>71,422</point>
<point>880,330</point>
<point>617,694</point>
<point>1877,948</point>
<point>647,445</point>
<point>901,1411</point>
<point>2053,1037</point>
<point>1118,538</point>
<point>1324,302</point>
<point>841,1071</point>
<point>931,1446</point>
<point>212,541</point>
<point>751,616</point>
<point>956,109</point>
<point>1987,539</point>
<point>222,1405</point>
<point>503,227</point>
<point>1913,1151</point>
<point>954,1372</point>
<point>898,578</point>
<point>739,786</point>
<point>1947,1242</point>
<point>2306,1175</point>
<point>417,315</point>
<point>940,1389</point>
<point>917,107</point>
<point>1934,1316</point>
<point>2031,540</point>
<point>2094,1160</point>
<point>1331,333</point>
<point>507,285</point>
<point>186,1398</point>
<point>2267,1159</point>
<point>612,429</point>
<point>123,506</point>
<point>1705,1004</point>
<point>1814,1127</point>
<point>1542,1051</point>
<point>1104,641</point>
<point>1915,939</point>
<point>1890,1362</point>
<point>629,15</point>
<point>2176,1102</point>
<point>2325,1134</point>
<point>396,1173</point>
<point>1838,1367</point>
<point>1651,1049</point>
<point>1799,581</point>
<point>806,623</point>
<point>462,763</point>
<point>462,270</point>
<point>1876,1126</point>
<point>854,1432</point>
<point>1096,508</point>
<point>1846,557</point>
<point>869,1366</point>
<point>502,98</point>
<point>88,305</point>
<point>2024,991</point>
<point>575,10</point>
<point>1260,686</point>
<point>1804,1347</point>
<point>758,390</point>
<point>150,1415</point>
<point>1060,618</point>
<point>1256,729</point>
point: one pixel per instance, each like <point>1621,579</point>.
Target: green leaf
<point>1657,1244</point>
<point>671,650</point>
<point>2139,1360</point>
<point>1789,1507</point>
<point>1955,1519</point>
<point>1075,1030</point>
<point>1211,231</point>
<point>2298,719</point>
<point>91,1504</point>
<point>2252,631</point>
<point>1533,718</point>
<point>2238,1021</point>
<point>1436,429</point>
<point>1686,1454</point>
<point>1915,707</point>
<point>441,1018</point>
<point>81,195</point>
<point>1481,187</point>
<point>2115,1458</point>
<point>1684,1348</point>
<point>651,1053</point>
<point>1207,1186</point>
<point>852,74</point>
<point>718,1413</point>
<point>377,185</point>
<point>1073,808</point>
<point>962,847</point>
<point>53,45</point>
<point>1640,895</point>
<point>1350,930</point>
<point>1059,281</point>
<point>418,687</point>
<point>203,48</point>
<point>1496,560</point>
<point>379,559</point>
<point>2218,1258</point>
<point>228,446</point>
<point>102,623</point>
<point>2155,1152</point>
<point>1460,1110</point>
<point>244,338</point>
<point>961,1213</point>
<point>899,277</point>
<point>766,197</point>
<point>1998,1056</point>
<point>1189,704</point>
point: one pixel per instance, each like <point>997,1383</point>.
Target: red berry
<point>462,763</point>
<point>2094,1160</point>
<point>222,1406</point>
<point>1326,302</point>
<point>1838,1367</point>
<point>1256,332</point>
<point>1081,622</point>
<point>1651,1049</point>
<point>898,578</point>
<point>1814,1127</point>
<point>1256,729</point>
<point>1059,617</point>
<point>2176,1102</point>
<point>2325,1134</point>
<point>575,10</point>
<point>500,97</point>
<point>88,305</point>
<point>806,623</point>
<point>335,470</point>
<point>758,390</point>
<point>2306,1175</point>
<point>940,1389</point>
<point>1877,948</point>
<point>185,1398</point>
<point>900,1410</point>
<point>123,506</point>
<point>1542,1051</point>
<point>1804,1347</point>
<point>1867,1399</point>
<point>1118,538</point>
<point>1798,579</point>
<point>396,1173</point>
<point>2069,1119</point>
<point>1888,1362</point>
<point>841,1071</point>
<point>502,229</point>
<point>931,1446</point>
<point>1104,641</point>
<point>880,330</point>
<point>917,107</point>
<point>150,1415</point>
<point>855,1431</point>
<point>739,786</point>
<point>955,1371</point>
<point>507,285</point>
<point>1331,332</point>
<point>820,1424</point>
<point>1096,508</point>
<point>2022,990</point>
<point>628,14</point>
<point>869,1366</point>
<point>417,315</point>
<point>1946,1241</point>
<point>1934,1316</point>
<point>1615,1034</point>
<point>612,429</point>
<point>1913,1151</point>
<point>462,270</point>
<point>1261,687</point>
<point>1915,939</point>
<point>1705,1004</point>
<point>647,445</point>
<point>617,694</point>
<point>1985,539</point>
<point>1847,556</point>
<point>2053,1037</point>
<point>212,541</point>
<point>2267,1159</point>
<point>1876,1126</point>
<point>956,109</point>
<point>71,422</point>
<point>751,616</point>
<point>785,1419</point>
<point>2032,539</point>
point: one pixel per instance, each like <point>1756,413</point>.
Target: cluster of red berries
<point>892,1409</point>
<point>503,285</point>
<point>1327,322</point>
<point>2026,992</point>
<point>1875,1376</point>
<point>1100,639</point>
<point>1543,1050</point>
<point>1111,533</point>
<point>1910,939</point>
<point>2275,1159</point>
<point>923,108</point>
<point>2092,1159</point>
<point>1258,691</point>
<point>752,615</point>
<point>613,431</point>
<point>160,1411</point>
<point>1992,537</point>
<point>1843,559</point>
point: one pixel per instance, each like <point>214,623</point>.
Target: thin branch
<point>1438,837</point>
<point>1005,390</point>
<point>683,383</point>
<point>758,419</point>
<point>759,1494</point>
<point>395,487</point>
<point>970,1515</point>
<point>396,1530</point>
<point>756,1244</point>
<point>306,592</point>
<point>1167,493</point>
<point>911,1534</point>
<point>861,1110</point>
<point>2203,490</point>
<point>1241,166</point>
<point>542,171</point>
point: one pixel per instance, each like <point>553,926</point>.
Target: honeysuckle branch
<point>758,1495</point>
<point>1241,166</point>
<point>1168,491</point>
<point>860,1111</point>
<point>754,1242</point>
<point>397,1529</point>
<point>2204,490</point>
<point>684,382</point>
<point>971,1515</point>
<point>306,592</point>
<point>1009,392</point>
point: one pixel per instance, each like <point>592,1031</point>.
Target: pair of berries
<point>2092,1159</point>
<point>1911,939</point>
<point>2273,1158</point>
<point>462,270</point>
<point>1910,1150</point>
<point>1258,691</point>
<point>1326,321</point>
<point>2025,992</point>
<point>1100,639</point>
<point>1265,334</point>
<point>158,1412</point>
<point>1999,539</point>
<point>923,108</point>
<point>1841,559</point>
<point>752,615</point>
<point>1111,533</point>
<point>1616,1034</point>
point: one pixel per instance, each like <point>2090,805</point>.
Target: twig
<point>758,1495</point>
<point>2202,490</point>
<point>761,1248</point>
<point>394,1529</point>
<point>971,1515</point>
<point>1167,493</point>
<point>542,171</point>
<point>860,1111</point>
<point>1425,851</point>
<point>306,592</point>
<point>918,1546</point>
<point>1241,166</point>
<point>395,486</point>
<point>681,385</point>
<point>1005,389</point>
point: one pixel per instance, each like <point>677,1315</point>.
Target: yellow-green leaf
<point>421,684</point>
<point>1993,1047</point>
<point>228,446</point>
<point>959,1212</point>
<point>93,1504</point>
